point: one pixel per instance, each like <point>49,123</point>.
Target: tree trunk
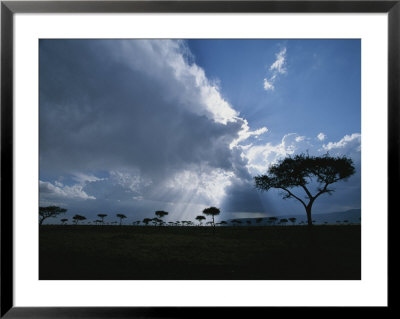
<point>309,219</point>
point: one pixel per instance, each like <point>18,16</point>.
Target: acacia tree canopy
<point>213,211</point>
<point>161,213</point>
<point>200,218</point>
<point>121,217</point>
<point>146,221</point>
<point>300,171</point>
<point>49,212</point>
<point>77,218</point>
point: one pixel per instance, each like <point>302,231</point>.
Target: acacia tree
<point>283,221</point>
<point>156,221</point>
<point>77,218</point>
<point>200,218</point>
<point>64,221</point>
<point>102,217</point>
<point>121,217</point>
<point>146,221</point>
<point>272,220</point>
<point>49,212</point>
<point>161,213</point>
<point>213,211</point>
<point>303,170</point>
<point>293,219</point>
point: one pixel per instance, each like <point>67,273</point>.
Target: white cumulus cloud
<point>58,191</point>
<point>279,64</point>
<point>245,133</point>
<point>321,136</point>
<point>352,142</point>
<point>276,68</point>
<point>268,85</point>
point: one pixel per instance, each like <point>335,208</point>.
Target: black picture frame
<point>9,8</point>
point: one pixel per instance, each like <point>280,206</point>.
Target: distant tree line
<point>55,211</point>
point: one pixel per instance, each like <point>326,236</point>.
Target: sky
<point>135,126</point>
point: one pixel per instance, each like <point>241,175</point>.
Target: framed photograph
<point>163,155</point>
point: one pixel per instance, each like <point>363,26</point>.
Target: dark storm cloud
<point>138,111</point>
<point>243,197</point>
<point>98,111</point>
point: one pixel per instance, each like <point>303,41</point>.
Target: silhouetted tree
<point>213,211</point>
<point>301,170</point>
<point>146,221</point>
<point>273,220</point>
<point>293,219</point>
<point>223,222</point>
<point>283,221</point>
<point>64,220</point>
<point>98,221</point>
<point>156,221</point>
<point>200,218</point>
<point>161,213</point>
<point>121,217</point>
<point>49,212</point>
<point>259,220</point>
<point>102,217</point>
<point>248,222</point>
<point>77,218</point>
